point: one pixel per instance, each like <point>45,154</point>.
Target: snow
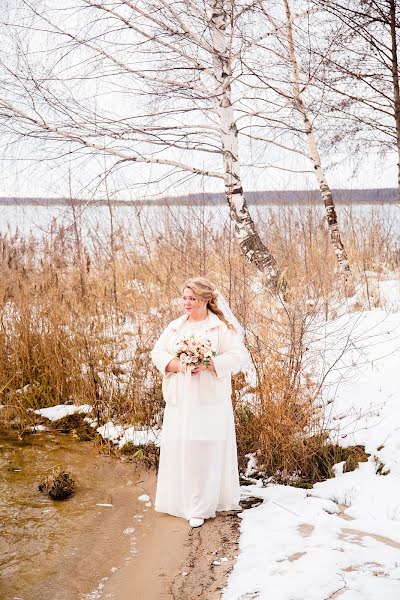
<point>121,434</point>
<point>129,530</point>
<point>297,547</point>
<point>118,434</point>
<point>38,428</point>
<point>219,561</point>
<point>389,292</point>
<point>341,539</point>
<point>364,383</point>
<point>53,413</point>
<point>144,498</point>
<point>252,464</point>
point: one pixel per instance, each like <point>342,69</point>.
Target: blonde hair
<point>203,289</point>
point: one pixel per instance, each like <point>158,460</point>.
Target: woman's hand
<point>201,367</point>
<point>175,366</point>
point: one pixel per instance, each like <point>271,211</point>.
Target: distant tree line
<point>258,198</point>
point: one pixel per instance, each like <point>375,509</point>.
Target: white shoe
<point>195,522</point>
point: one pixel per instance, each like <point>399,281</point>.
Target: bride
<point>198,472</point>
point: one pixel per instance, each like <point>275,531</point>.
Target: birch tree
<point>315,158</point>
<point>362,74</point>
<point>222,73</point>
<point>283,95</point>
<point>176,65</point>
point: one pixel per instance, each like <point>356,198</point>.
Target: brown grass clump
<point>74,424</point>
<point>321,456</point>
<point>280,421</point>
<point>276,426</point>
<point>289,441</point>
<point>147,455</point>
<point>59,484</point>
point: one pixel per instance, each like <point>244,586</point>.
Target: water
<point>60,550</point>
<point>43,221</point>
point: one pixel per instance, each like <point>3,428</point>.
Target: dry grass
<point>80,312</point>
<point>59,484</point>
<point>75,425</point>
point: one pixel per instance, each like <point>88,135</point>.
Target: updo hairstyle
<point>203,289</point>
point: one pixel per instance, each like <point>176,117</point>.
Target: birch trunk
<point>252,246</point>
<point>396,91</point>
<point>326,192</point>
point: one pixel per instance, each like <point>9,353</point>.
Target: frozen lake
<point>42,221</point>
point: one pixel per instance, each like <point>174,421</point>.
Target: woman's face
<point>191,305</point>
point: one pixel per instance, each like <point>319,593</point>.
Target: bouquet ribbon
<point>188,382</point>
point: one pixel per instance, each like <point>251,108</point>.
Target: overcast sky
<point>45,169</point>
<point>22,176</point>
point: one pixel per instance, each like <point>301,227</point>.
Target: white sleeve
<point>160,355</point>
<point>228,359</point>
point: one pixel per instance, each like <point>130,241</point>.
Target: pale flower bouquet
<point>193,351</point>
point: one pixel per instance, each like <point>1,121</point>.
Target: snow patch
<point>144,498</point>
<point>122,434</point>
<point>53,413</point>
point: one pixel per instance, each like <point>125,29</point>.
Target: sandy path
<point>210,555</point>
<point>173,561</point>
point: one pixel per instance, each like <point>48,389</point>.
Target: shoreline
<point>106,541</point>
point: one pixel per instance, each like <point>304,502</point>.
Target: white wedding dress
<point>198,471</point>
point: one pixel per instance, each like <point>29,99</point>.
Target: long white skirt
<point>198,471</point>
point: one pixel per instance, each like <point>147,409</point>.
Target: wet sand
<point>60,550</point>
<point>75,550</point>
<point>174,561</point>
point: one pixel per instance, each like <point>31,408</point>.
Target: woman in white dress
<point>198,471</point>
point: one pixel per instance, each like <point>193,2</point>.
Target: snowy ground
<point>342,538</point>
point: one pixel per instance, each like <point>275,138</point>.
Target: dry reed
<point>80,312</point>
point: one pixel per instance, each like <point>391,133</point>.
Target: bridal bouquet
<point>193,351</point>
